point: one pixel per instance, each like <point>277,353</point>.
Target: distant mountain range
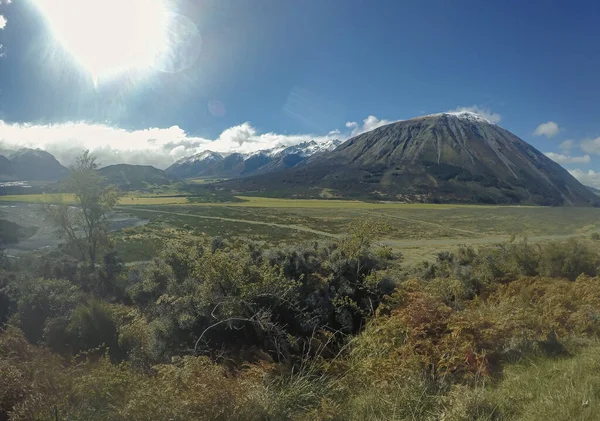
<point>209,164</point>
<point>31,165</point>
<point>448,157</point>
<point>440,158</point>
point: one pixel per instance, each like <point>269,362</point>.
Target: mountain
<point>134,177</point>
<point>36,165</point>
<point>6,169</point>
<point>448,157</point>
<point>195,166</point>
<point>593,190</point>
<point>222,165</point>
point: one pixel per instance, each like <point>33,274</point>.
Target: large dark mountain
<point>134,177</point>
<point>209,164</point>
<point>32,165</point>
<point>449,157</point>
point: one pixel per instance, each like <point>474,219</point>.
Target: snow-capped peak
<point>467,115</point>
<point>206,156</point>
<point>304,149</point>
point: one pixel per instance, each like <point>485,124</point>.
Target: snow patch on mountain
<point>468,116</point>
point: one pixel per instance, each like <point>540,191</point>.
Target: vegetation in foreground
<point>232,329</point>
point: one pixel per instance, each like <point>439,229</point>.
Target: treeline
<point>234,330</point>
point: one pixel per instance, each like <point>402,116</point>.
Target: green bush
<point>41,300</point>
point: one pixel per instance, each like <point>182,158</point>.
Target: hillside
<point>134,177</point>
<point>594,190</point>
<point>449,157</point>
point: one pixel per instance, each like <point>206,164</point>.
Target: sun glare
<point>109,36</point>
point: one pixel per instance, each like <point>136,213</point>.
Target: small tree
<point>85,225</point>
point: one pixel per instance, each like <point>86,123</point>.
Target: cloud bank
<point>587,178</point>
<point>369,123</point>
<point>159,147</point>
<point>548,129</point>
<point>566,159</point>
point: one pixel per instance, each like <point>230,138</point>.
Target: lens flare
<point>110,36</point>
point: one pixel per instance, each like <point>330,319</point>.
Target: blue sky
<point>273,71</point>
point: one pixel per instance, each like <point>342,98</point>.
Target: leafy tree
<point>85,226</point>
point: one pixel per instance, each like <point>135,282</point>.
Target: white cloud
<point>2,18</point>
<point>591,146</point>
<point>567,145</point>
<point>482,111</point>
<point>153,146</point>
<point>369,123</point>
<point>548,129</point>
<point>566,159</point>
<point>588,178</point>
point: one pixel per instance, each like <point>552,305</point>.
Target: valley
<point>418,231</point>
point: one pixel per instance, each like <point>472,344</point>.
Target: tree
<point>85,225</point>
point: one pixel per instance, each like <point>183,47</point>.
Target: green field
<point>417,230</point>
<point>256,202</point>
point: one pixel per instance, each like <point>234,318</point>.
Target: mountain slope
<point>194,166</point>
<point>449,157</point>
<point>36,165</point>
<point>134,177</point>
<point>6,168</point>
<point>593,190</point>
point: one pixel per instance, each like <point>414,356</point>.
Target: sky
<point>241,75</point>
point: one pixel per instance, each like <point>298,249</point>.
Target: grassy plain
<point>417,230</point>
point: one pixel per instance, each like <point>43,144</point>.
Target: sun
<point>109,36</point>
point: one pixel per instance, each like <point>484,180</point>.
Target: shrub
<point>40,300</point>
<point>569,259</point>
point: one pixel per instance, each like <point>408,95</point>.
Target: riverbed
<point>31,215</point>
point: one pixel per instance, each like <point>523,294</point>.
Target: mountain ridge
<point>228,165</point>
<point>32,165</point>
<point>447,157</point>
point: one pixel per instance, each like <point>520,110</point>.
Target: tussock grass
<point>560,389</point>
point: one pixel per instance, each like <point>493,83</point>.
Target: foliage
<point>39,301</point>
<point>241,298</point>
<point>86,225</point>
<point>231,329</point>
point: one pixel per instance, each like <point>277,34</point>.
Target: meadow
<point>418,231</point>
